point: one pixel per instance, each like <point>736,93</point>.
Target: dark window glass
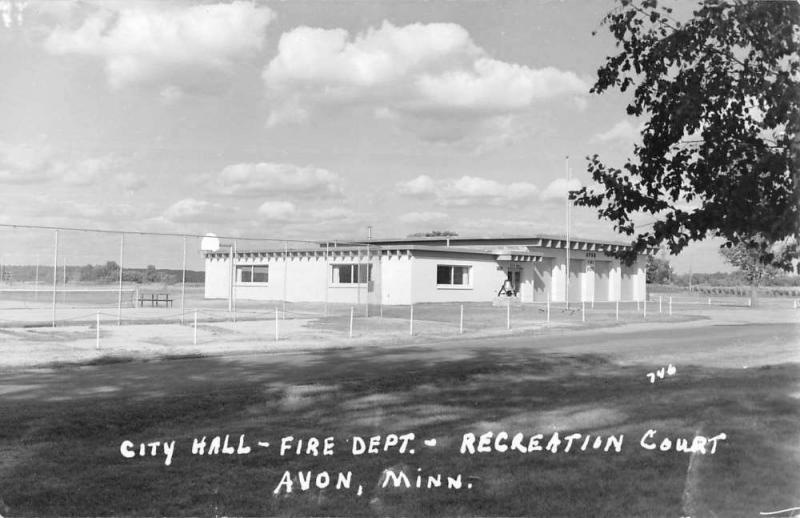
<point>443,274</point>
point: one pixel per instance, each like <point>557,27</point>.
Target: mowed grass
<point>59,442</point>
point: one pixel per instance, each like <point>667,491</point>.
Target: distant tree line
<point>107,273</point>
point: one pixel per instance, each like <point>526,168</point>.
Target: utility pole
<point>566,271</point>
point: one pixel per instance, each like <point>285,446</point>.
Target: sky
<point>303,120</point>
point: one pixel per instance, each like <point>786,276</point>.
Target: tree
<point>658,271</point>
<point>747,256</point>
<point>719,98</point>
<point>435,233</point>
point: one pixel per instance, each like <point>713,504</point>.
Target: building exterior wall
<point>405,277</point>
<point>486,278</point>
<point>396,279</point>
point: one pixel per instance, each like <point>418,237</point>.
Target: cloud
<point>266,178</point>
<point>423,71</point>
<point>27,162</point>
<point>164,44</point>
<point>623,130</point>
<point>557,189</point>
<point>423,217</point>
<point>86,171</point>
<point>277,210</point>
<point>191,210</point>
<point>468,190</point>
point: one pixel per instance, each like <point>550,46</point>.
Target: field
<point>67,408</point>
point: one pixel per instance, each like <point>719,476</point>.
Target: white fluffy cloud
<point>473,190</point>
<point>266,178</point>
<point>468,190</point>
<point>277,210</point>
<point>163,43</point>
<point>623,130</point>
<point>423,217</point>
<point>558,188</point>
<point>432,70</point>
<point>189,210</point>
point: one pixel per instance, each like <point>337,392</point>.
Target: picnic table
<point>155,299</point>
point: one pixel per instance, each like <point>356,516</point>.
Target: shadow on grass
<point>59,445</point>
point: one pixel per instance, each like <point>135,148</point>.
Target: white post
<point>566,265</point>
<point>644,307</point>
<point>461,320</point>
<point>637,305</point>
<point>508,314</point>
<point>617,309</point>
<point>583,311</point>
<point>548,308</point>
<point>659,303</point>
<point>55,278</point>
<point>233,284</point>
<point>97,332</point>
<point>327,277</point>
<point>183,281</point>
<point>194,340</point>
<point>36,286</point>
<point>749,302</point>
<point>709,301</point>
<point>366,286</point>
<point>231,275</point>
<point>351,322</point>
<point>285,274</point>
<point>119,291</point>
<point>277,336</point>
<point>381,309</point>
<point>411,321</point>
<point>670,306</point>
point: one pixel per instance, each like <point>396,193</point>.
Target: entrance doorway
<point>513,283</point>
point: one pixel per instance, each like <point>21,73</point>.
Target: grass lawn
<point>59,444</point>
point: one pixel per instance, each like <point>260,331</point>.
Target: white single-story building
<point>439,269</point>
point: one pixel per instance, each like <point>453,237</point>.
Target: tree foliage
<point>747,258</point>
<point>435,233</point>
<point>718,97</point>
<point>658,271</point>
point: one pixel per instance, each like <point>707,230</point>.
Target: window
<point>351,273</point>
<point>448,275</point>
<point>252,273</point>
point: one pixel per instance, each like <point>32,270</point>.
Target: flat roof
<point>503,238</point>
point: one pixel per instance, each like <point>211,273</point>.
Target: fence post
<point>637,305</point>
<point>97,333</point>
<point>670,306</point>
<point>617,309</point>
<point>277,336</point>
<point>709,301</point>
<point>411,321</point>
<point>659,303</point>
<point>194,338</point>
<point>119,291</point>
<point>644,309</point>
<point>508,315</point>
<point>183,281</point>
<point>749,302</point>
<point>461,320</point>
<point>583,311</point>
<point>351,322</point>
<point>55,277</point>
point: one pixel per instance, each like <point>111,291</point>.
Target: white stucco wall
<point>486,278</point>
<point>410,277</point>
